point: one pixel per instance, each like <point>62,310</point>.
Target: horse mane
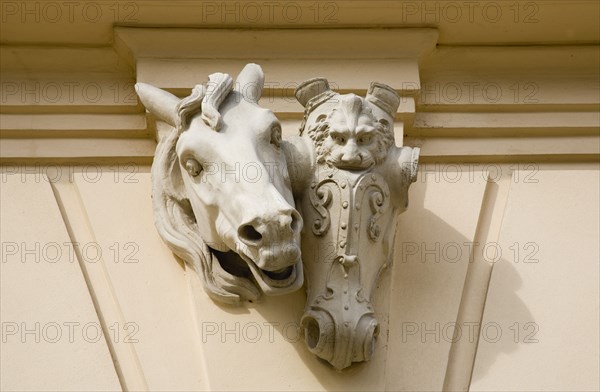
<point>174,217</point>
<point>205,99</point>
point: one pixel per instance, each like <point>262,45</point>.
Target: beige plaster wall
<point>539,324</point>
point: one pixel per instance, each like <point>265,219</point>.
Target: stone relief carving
<point>241,234</point>
<point>349,195</point>
<point>344,173</point>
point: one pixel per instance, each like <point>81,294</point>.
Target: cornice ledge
<point>348,43</point>
<point>176,59</point>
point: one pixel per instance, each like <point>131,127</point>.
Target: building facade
<point>495,281</point>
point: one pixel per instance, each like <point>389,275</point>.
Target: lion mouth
<point>362,164</point>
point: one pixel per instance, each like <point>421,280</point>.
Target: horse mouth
<point>274,282</point>
<point>280,274</point>
<point>280,278</point>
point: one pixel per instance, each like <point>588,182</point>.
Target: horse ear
<point>160,103</point>
<point>250,82</point>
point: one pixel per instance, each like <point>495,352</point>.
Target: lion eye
<point>364,140</point>
<point>193,167</point>
<point>276,135</point>
<point>340,139</point>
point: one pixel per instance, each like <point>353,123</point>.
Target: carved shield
<point>346,243</point>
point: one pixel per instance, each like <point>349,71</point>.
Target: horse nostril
<point>296,224</point>
<point>248,234</point>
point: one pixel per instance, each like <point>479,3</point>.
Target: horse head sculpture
<point>221,190</point>
<point>352,185</point>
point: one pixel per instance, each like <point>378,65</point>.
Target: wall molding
<point>78,102</point>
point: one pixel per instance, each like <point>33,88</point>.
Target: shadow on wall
<point>421,289</point>
<point>514,319</point>
<point>427,289</point>
<point>429,275</point>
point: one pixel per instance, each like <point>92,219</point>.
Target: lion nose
<point>351,154</point>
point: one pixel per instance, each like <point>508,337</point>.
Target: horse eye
<point>193,167</point>
<point>276,135</point>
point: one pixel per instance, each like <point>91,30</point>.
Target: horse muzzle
<point>271,245</point>
<point>278,282</point>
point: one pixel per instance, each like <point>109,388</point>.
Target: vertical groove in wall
<point>463,351</point>
<point>195,290</point>
<point>106,305</point>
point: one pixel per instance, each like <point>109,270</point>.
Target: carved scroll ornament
<point>349,196</point>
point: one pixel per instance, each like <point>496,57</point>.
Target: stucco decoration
<point>241,232</point>
<point>221,191</point>
<point>351,182</point>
